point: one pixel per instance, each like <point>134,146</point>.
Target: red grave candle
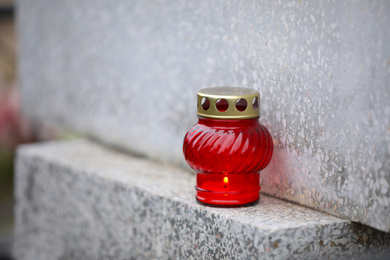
<point>228,147</point>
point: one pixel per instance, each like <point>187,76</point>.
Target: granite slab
<point>79,200</point>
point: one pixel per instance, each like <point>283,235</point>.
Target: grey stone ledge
<point>79,200</point>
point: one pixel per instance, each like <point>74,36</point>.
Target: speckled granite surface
<point>77,200</point>
<point>127,72</point>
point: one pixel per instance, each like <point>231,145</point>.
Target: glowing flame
<point>225,180</point>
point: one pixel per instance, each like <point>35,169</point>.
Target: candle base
<point>228,189</point>
<point>219,205</point>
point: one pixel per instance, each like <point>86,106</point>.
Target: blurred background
<point>13,129</point>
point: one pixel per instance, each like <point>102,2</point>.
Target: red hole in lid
<point>255,103</point>
<point>205,103</point>
<point>241,104</point>
<point>222,105</point>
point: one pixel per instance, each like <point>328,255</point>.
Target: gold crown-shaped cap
<point>228,103</point>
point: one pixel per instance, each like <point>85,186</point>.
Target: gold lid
<point>228,103</point>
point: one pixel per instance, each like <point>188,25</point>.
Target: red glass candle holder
<point>228,147</point>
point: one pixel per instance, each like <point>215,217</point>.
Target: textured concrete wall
<point>77,200</point>
<point>127,72</point>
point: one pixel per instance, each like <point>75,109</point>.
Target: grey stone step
<point>79,200</point>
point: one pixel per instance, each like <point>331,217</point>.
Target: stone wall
<point>127,72</point>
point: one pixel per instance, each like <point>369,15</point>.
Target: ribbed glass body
<point>228,156</point>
